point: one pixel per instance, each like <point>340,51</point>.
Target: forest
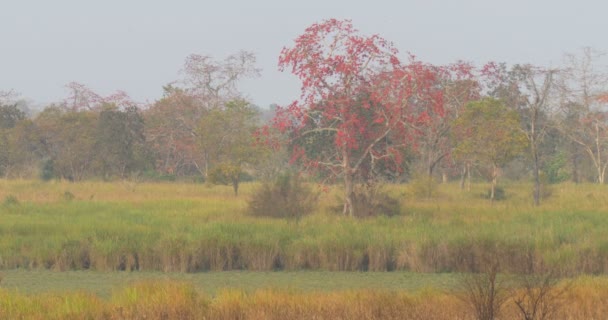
<point>364,116</point>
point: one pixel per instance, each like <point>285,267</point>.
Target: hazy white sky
<point>138,46</point>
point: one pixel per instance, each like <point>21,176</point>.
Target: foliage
<point>120,141</point>
<point>287,197</point>
<point>47,172</point>
<point>498,194</point>
<point>226,136</point>
<point>358,103</point>
<point>69,139</point>
<point>489,133</point>
<point>10,115</point>
<point>372,201</point>
<point>10,200</point>
<point>556,169</point>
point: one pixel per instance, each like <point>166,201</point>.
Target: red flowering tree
<point>359,105</point>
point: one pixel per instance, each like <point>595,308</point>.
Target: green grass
<point>173,227</point>
<point>104,284</point>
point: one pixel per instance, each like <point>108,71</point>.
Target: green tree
<point>120,141</point>
<point>10,116</point>
<point>69,139</point>
<point>489,133</point>
<point>226,136</point>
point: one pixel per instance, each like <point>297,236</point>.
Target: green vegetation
<point>189,228</point>
<point>103,284</point>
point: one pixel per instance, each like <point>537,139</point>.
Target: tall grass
<point>585,299</point>
<point>189,227</point>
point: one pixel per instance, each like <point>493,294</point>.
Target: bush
<point>371,201</point>
<point>47,171</point>
<point>68,196</point>
<point>499,194</point>
<point>286,197</point>
<point>10,200</point>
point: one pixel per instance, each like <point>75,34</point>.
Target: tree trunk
<point>536,177</point>
<point>235,186</point>
<point>494,181</point>
<point>463,177</point>
<point>348,194</point>
<point>575,162</point>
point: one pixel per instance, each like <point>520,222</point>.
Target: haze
<point>139,46</point>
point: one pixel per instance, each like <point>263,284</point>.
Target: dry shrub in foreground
<point>170,300</point>
<point>539,297</point>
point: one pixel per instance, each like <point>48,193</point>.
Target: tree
<point>226,135</point>
<point>82,98</point>
<point>120,141</point>
<point>585,120</point>
<point>172,122</point>
<point>10,116</point>
<point>489,133</point>
<point>214,82</point>
<point>358,103</point>
<point>459,86</point>
<point>69,140</point>
<point>171,125</point>
<point>528,90</point>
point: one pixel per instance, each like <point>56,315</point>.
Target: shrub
<point>68,196</point>
<point>499,194</point>
<point>485,293</point>
<point>286,197</point>
<point>10,200</point>
<point>371,201</point>
<point>47,170</point>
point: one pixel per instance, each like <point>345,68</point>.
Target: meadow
<point>118,250</point>
<point>172,227</point>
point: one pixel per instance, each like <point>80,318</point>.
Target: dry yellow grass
<point>585,299</point>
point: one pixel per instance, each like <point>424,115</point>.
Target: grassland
<point>191,228</point>
<point>175,300</point>
<point>100,250</point>
<point>103,284</point>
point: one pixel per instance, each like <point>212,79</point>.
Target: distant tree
<point>214,82</point>
<point>488,132</point>
<point>69,140</point>
<point>10,116</point>
<point>584,86</point>
<point>358,103</point>
<point>24,150</point>
<point>459,86</point>
<point>226,136</point>
<point>172,122</point>
<point>82,98</point>
<point>530,91</point>
<point>171,133</point>
<point>120,141</point>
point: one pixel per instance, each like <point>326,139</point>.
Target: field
<point>97,243</point>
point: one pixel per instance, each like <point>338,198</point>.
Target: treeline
<point>519,122</point>
<point>201,129</point>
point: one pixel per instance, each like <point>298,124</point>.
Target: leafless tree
<point>583,91</point>
<point>538,297</point>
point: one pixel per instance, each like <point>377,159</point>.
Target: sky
<point>138,46</point>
